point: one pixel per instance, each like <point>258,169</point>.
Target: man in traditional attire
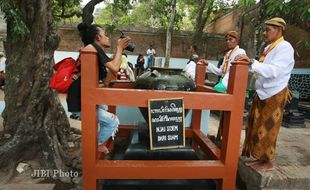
<point>233,50</point>
<point>272,71</point>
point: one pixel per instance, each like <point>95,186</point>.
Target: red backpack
<point>66,72</point>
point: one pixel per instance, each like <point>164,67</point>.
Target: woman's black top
<point>74,91</point>
<point>140,63</point>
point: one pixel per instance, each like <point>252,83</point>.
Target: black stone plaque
<point>166,123</point>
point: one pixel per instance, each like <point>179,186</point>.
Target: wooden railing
<point>224,161</point>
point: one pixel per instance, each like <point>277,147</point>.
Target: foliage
<point>153,14</point>
<point>246,3</point>
<point>64,9</point>
<point>293,11</point>
<point>141,13</point>
<point>161,10</point>
<point>13,15</point>
<point>188,10</point>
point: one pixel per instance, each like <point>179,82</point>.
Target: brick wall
<point>225,23</point>
<point>70,41</point>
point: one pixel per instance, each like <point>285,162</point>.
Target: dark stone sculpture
<point>163,79</point>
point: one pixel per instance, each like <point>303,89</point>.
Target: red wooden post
<point>233,122</point>
<point>196,114</point>
<point>200,74</point>
<point>89,116</point>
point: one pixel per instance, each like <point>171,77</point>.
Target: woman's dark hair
<point>88,32</point>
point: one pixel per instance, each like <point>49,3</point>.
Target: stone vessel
<point>163,79</point>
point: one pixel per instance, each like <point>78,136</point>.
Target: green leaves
<point>153,13</point>
<point>12,15</point>
<point>293,11</point>
<point>63,9</point>
<point>246,3</point>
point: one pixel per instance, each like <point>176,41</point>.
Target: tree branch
<point>206,17</point>
<point>75,13</point>
<point>88,10</point>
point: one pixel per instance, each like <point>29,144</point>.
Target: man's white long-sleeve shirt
<point>190,70</point>
<point>274,73</point>
<point>218,71</point>
<point>2,64</point>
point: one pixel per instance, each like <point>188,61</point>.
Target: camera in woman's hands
<point>131,46</point>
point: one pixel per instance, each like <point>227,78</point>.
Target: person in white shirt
<point>190,68</point>
<point>2,70</point>
<point>273,71</point>
<point>232,41</point>
<point>2,62</point>
<point>150,55</point>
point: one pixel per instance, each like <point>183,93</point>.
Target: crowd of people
<point>272,72</point>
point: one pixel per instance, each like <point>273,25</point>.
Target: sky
<point>84,2</point>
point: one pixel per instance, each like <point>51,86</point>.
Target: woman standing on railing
<point>96,36</point>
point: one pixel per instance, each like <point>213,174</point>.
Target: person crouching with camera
<point>107,122</point>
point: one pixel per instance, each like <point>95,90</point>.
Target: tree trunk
<point>169,34</point>
<point>201,20</point>
<point>33,114</point>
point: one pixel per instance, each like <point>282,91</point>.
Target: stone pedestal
<point>305,108</point>
<point>293,118</point>
<point>139,148</point>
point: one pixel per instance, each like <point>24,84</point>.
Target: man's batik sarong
<point>263,125</point>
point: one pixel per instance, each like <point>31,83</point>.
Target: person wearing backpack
<point>108,122</point>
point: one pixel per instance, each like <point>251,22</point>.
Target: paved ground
<point>292,165</point>
<point>27,187</point>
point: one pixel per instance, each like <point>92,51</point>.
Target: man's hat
<point>277,21</point>
<point>233,34</point>
<point>195,56</point>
